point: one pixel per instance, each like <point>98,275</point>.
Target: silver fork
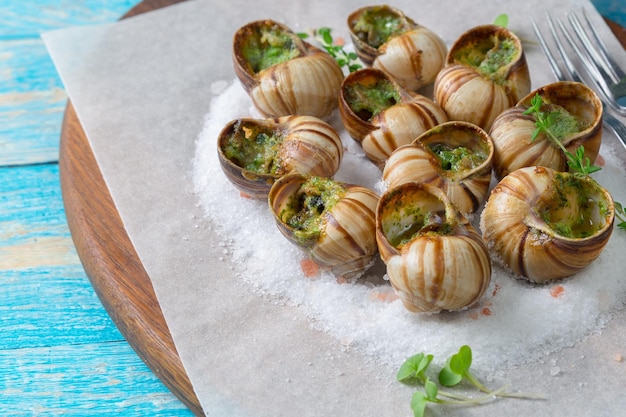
<point>607,74</point>
<point>570,73</point>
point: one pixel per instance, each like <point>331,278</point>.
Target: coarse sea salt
<point>515,323</point>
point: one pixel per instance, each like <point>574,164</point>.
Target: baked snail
<point>454,156</point>
<point>436,260</point>
<point>253,153</point>
<point>544,224</point>
<point>381,115</point>
<point>486,72</point>
<point>334,222</point>
<point>577,120</point>
<point>386,39</point>
<point>283,74</point>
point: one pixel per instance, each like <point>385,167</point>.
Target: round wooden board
<point>109,258</point>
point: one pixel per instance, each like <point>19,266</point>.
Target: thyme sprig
<point>579,164</point>
<point>620,214</point>
<point>344,58</point>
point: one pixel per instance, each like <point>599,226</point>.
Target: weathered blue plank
<point>614,9</point>
<point>60,353</point>
<point>51,306</point>
<point>31,195</point>
<point>32,99</point>
<point>81,380</point>
<point>27,18</point>
<point>45,297</point>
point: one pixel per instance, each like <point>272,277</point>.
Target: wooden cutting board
<point>109,258</point>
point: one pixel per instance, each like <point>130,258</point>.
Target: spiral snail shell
<point>386,39</point>
<point>579,122</point>
<point>486,72</point>
<point>545,225</point>
<point>436,260</point>
<point>283,74</point>
<point>454,156</point>
<point>253,153</point>
<point>381,115</point>
<point>333,221</point>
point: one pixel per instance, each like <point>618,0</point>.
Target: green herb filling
<point>377,24</point>
<point>366,101</point>
<point>562,123</point>
<point>406,217</point>
<point>254,148</point>
<point>578,208</point>
<point>305,212</point>
<point>459,159</point>
<point>269,46</point>
<point>490,57</point>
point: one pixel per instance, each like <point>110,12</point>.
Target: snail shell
<point>412,55</point>
<point>436,260</point>
<point>307,83</point>
<point>303,144</point>
<point>486,72</point>
<point>333,221</point>
<point>545,225</point>
<point>463,171</point>
<point>512,130</point>
<point>398,119</point>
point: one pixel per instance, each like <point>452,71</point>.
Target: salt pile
<point>515,323</point>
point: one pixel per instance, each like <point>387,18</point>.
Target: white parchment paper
<point>141,88</point>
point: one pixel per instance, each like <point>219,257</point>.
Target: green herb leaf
<point>620,214</point>
<point>457,367</point>
<point>413,369</point>
<point>418,403</point>
<point>461,361</point>
<point>502,20</point>
<point>449,378</point>
<point>431,390</point>
<point>326,36</point>
<point>579,163</point>
<point>345,59</point>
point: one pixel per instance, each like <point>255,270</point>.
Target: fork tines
<point>593,55</point>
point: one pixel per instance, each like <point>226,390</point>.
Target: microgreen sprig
<point>344,59</point>
<point>579,164</point>
<point>456,369</point>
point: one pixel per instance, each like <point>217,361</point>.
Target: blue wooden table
<point>60,353</point>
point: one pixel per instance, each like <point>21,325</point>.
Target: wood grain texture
<point>109,257</point>
<point>112,264</point>
<point>111,261</point>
